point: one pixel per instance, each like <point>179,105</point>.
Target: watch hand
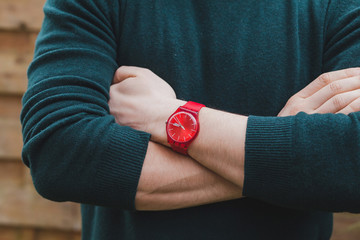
<point>177,120</point>
<point>179,123</point>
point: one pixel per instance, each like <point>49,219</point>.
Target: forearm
<point>220,143</point>
<point>289,160</point>
<point>284,161</point>
<point>74,149</point>
<point>170,181</point>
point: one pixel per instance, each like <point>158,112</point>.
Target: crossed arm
<point>215,169</point>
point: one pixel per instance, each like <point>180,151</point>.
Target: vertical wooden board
<point>10,139</point>
<point>13,79</point>
<point>11,175</point>
<point>17,41</point>
<point>16,53</point>
<point>21,14</point>
<point>10,107</point>
<point>21,205</point>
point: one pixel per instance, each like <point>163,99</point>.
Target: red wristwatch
<point>183,126</point>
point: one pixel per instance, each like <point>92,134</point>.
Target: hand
<point>142,100</point>
<point>333,92</point>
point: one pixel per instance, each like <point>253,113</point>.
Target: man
<point>276,174</point>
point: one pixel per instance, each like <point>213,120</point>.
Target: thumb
<point>124,72</point>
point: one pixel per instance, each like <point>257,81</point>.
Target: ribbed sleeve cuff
<point>119,173</point>
<point>268,156</point>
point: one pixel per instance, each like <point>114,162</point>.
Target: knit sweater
<point>245,57</point>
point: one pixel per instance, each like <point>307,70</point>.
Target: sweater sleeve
<point>311,162</point>
<point>74,148</point>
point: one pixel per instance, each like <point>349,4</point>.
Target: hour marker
<point>173,135</point>
<point>193,130</point>
<point>189,134</point>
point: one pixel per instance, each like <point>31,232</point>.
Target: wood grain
<point>21,15</point>
<point>18,233</point>
<point>21,205</point>
<point>10,139</point>
<point>24,214</point>
<point>16,53</point>
<point>10,107</point>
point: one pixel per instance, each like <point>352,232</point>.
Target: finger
<point>333,89</point>
<point>338,102</point>
<point>327,78</point>
<point>125,72</point>
<point>352,107</point>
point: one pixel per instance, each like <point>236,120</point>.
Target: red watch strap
<point>179,148</point>
<point>193,106</point>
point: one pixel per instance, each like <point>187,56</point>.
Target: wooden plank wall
<point>24,215</point>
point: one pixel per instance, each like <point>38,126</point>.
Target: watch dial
<point>182,127</point>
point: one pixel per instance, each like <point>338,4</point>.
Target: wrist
<point>158,131</point>
<point>183,126</point>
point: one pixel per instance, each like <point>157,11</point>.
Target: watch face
<point>182,127</point>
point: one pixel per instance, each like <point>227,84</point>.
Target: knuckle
<point>338,102</point>
<point>293,100</point>
<point>297,106</point>
<point>324,79</point>
<point>120,69</point>
<point>335,87</point>
<point>293,111</point>
<point>352,71</point>
<point>113,89</point>
<point>296,109</point>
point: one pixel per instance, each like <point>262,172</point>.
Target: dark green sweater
<point>247,57</point>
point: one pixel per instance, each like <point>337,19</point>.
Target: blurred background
<point>24,215</point>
